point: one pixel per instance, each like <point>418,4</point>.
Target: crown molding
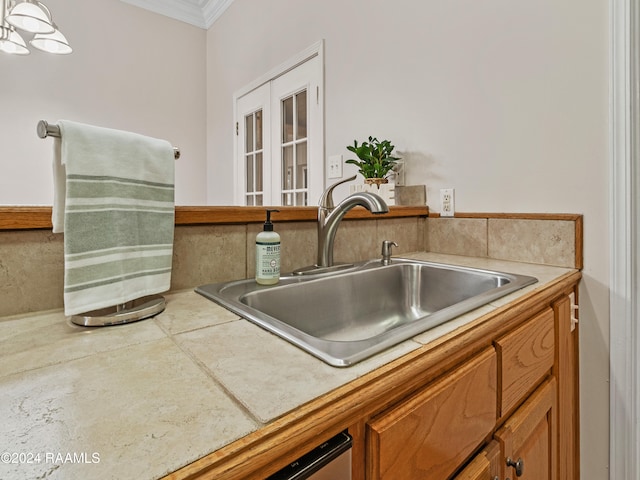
<point>200,13</point>
<point>212,10</point>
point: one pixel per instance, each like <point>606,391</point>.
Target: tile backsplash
<point>31,261</point>
<point>549,239</point>
<point>32,265</point>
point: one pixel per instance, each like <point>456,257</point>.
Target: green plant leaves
<point>375,159</point>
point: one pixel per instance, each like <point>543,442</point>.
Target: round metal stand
<point>132,311</point>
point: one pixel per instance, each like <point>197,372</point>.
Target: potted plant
<point>375,160</point>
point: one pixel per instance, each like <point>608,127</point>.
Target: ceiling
<point>201,13</point>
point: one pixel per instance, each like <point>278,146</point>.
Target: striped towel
<point>114,200</point>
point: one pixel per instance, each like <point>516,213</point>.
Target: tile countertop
<point>145,399</point>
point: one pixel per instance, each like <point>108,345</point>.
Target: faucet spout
<point>329,220</point>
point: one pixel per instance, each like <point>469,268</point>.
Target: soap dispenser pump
<point>268,254</point>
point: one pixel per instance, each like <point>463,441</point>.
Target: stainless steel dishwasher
<point>328,461</point>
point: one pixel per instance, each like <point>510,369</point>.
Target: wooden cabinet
<point>495,417</point>
<point>432,433</point>
<point>497,399</point>
<point>485,466</point>
<point>566,371</point>
<point>526,355</point>
<point>528,439</point>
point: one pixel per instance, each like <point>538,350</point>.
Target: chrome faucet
<point>329,217</point>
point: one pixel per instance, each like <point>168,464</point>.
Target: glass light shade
<point>51,43</point>
<point>30,17</point>
<point>13,43</point>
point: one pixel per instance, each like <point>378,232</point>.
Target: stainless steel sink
<point>345,317</point>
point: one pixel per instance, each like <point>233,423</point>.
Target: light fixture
<point>54,42</point>
<point>30,16</point>
<point>12,42</point>
<point>33,17</point>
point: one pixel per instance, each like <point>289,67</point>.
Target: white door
<point>280,139</point>
<point>253,137</point>
<point>297,153</point>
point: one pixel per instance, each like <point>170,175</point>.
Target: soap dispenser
<point>268,254</point>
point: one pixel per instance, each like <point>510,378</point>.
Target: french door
<point>279,139</point>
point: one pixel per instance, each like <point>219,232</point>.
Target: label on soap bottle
<point>267,261</point>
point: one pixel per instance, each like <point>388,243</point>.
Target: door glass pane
<point>248,128</point>
<point>258,130</point>
<point>287,120</point>
<point>287,199</point>
<point>287,167</point>
<point>259,172</point>
<point>301,165</point>
<point>249,169</point>
<point>301,114</point>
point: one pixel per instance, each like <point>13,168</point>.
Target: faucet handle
<point>326,200</point>
<point>386,251</point>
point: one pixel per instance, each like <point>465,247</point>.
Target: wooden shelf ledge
<point>39,217</point>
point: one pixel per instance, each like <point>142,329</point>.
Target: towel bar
<point>45,130</point>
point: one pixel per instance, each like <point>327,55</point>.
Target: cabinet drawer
<point>431,434</point>
<point>484,466</point>
<point>525,356</point>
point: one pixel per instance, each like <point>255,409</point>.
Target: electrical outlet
<point>447,202</point>
<point>335,166</point>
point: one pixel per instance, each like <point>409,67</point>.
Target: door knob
<point>518,465</point>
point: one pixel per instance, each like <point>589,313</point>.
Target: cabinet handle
<point>518,465</point>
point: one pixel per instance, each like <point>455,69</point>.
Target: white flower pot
<point>386,191</point>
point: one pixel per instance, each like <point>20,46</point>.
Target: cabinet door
<point>525,356</point>
<point>484,466</point>
<point>430,435</point>
<point>528,438</point>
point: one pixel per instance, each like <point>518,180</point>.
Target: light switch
<point>335,166</point>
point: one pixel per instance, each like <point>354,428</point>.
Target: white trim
<point>213,9</point>
<point>200,13</point>
<point>317,49</point>
<point>624,341</point>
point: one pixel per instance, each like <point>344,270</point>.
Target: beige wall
<point>131,69</point>
<point>505,101</point>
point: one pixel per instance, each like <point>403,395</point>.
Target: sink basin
<point>345,317</point>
